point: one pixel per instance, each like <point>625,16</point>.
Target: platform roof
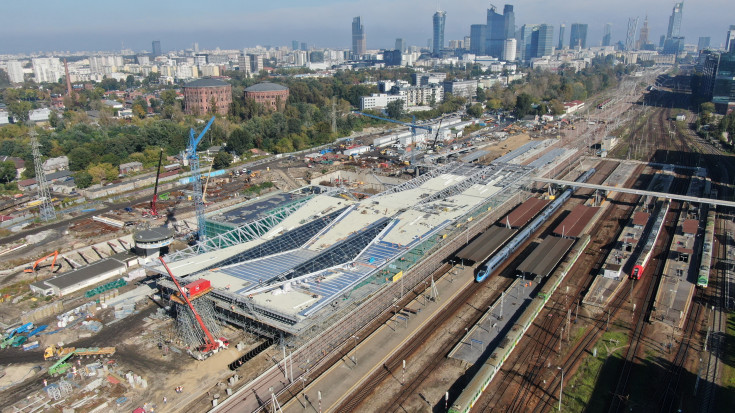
<point>487,243</point>
<point>546,256</point>
<point>576,221</point>
<point>525,212</point>
<point>690,226</point>
<point>254,210</point>
<point>640,219</point>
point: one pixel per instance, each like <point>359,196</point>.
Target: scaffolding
<point>187,328</point>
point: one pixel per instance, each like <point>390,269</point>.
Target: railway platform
<point>356,367</point>
<point>498,318</point>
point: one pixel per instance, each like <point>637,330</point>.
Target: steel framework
<point>46,209</point>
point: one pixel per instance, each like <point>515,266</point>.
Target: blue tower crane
<point>413,125</point>
<point>191,155</point>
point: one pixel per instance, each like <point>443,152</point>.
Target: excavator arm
<point>55,254</point>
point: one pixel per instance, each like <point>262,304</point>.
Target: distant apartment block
<point>379,101</point>
<point>461,88</point>
<point>47,69</point>
<point>15,71</point>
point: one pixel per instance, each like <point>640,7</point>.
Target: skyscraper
<point>675,21</point>
<point>478,33</point>
<point>730,40</point>
<point>510,21</point>
<point>536,40</point>
<point>294,45</point>
<point>607,35</point>
<point>359,45</point>
<point>562,29</point>
<point>440,17</point>
<point>495,33</point>
<point>703,43</point>
<point>643,38</point>
<point>156,48</point>
<point>401,45</point>
<point>578,36</point>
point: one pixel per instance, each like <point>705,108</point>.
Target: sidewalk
<point>352,370</point>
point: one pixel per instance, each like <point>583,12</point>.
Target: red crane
<point>211,344</point>
<point>154,210</point>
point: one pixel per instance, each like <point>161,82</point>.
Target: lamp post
<point>561,385</point>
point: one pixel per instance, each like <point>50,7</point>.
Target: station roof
<point>640,219</point>
<point>485,244</point>
<point>690,226</point>
<point>525,212</point>
<point>543,260</point>
<point>576,221</point>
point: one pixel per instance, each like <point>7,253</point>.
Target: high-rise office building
<point>703,43</point>
<point>510,21</point>
<point>545,46</point>
<point>495,33</point>
<point>478,33</point>
<point>156,48</point>
<point>536,40</point>
<point>675,21</point>
<point>607,35</point>
<point>15,71</point>
<point>294,45</point>
<point>578,36</point>
<point>643,38</point>
<point>401,45</point>
<point>359,45</point>
<point>440,18</point>
<point>730,40</point>
<point>304,46</point>
<point>509,50</point>
<point>723,93</point>
<point>562,29</point>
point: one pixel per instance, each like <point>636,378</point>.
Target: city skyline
<point>322,23</point>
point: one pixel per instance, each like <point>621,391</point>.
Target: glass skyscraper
<point>578,36</point>
<point>359,46</point>
<point>607,35</point>
<point>675,21</point>
<point>440,18</point>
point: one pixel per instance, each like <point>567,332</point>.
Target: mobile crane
<point>211,344</point>
<point>154,207</point>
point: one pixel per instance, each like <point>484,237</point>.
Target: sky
<point>76,25</point>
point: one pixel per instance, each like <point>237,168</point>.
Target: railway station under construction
<point>294,268</point>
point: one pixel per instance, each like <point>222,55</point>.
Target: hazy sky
<point>106,25</point>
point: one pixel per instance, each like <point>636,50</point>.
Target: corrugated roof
<point>83,273</point>
<point>207,82</point>
<point>525,212</point>
<point>574,223</point>
<point>265,87</point>
<point>690,226</point>
<point>486,244</point>
<point>640,219</point>
<point>546,256</point>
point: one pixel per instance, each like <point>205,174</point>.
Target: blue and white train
<point>498,259</point>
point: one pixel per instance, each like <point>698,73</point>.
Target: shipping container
<point>197,286</point>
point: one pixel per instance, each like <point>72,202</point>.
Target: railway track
<point>394,365</point>
<point>543,336</point>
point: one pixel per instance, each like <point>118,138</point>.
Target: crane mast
<point>191,154</point>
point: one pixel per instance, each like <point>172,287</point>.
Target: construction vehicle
<point>55,352</point>
<point>55,254</point>
<point>211,344</point>
<point>154,208</point>
<point>61,366</point>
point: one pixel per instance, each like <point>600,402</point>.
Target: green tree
<point>7,171</point>
<point>557,108</point>
<point>130,81</point>
<point>169,97</point>
<point>481,97</point>
<point>79,158</point>
<point>222,160</point>
<point>83,179</point>
<point>475,110</point>
<point>395,109</point>
<point>523,105</point>
<point>20,110</point>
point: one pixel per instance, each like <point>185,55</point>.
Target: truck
<point>61,366</point>
<point>55,352</point>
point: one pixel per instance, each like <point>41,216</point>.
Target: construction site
<point>256,289</point>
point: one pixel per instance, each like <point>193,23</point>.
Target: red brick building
<point>270,95</point>
<point>199,93</point>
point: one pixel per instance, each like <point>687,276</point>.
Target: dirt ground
<point>498,149</point>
